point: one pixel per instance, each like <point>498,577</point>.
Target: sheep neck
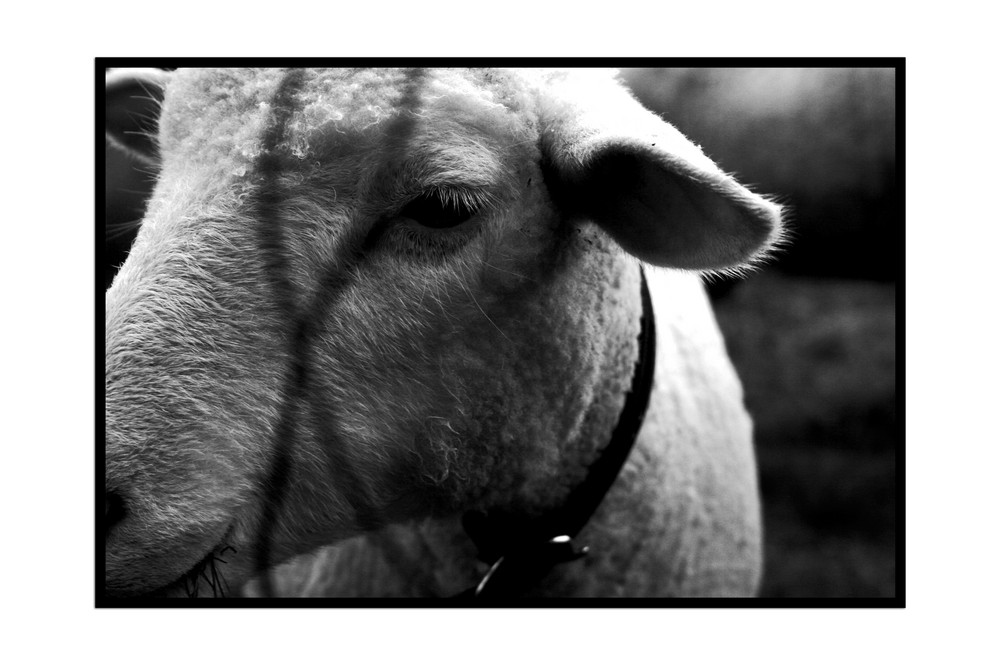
<point>521,550</point>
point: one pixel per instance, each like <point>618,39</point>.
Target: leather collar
<point>521,551</point>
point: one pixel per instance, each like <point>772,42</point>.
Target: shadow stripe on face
<point>266,209</point>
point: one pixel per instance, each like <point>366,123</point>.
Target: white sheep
<point>364,304</point>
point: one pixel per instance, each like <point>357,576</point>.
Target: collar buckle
<point>519,566</point>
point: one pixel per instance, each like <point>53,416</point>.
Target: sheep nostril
<point>114,509</point>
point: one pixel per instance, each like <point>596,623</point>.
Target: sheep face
<point>360,297</point>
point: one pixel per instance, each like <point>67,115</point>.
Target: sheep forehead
<point>217,116</point>
<point>359,99</point>
<point>221,115</point>
<point>436,125</point>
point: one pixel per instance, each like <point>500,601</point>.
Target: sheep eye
<point>437,211</point>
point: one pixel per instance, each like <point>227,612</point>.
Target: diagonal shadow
<point>298,395</point>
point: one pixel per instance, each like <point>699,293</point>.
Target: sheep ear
<point>132,110</point>
<point>650,188</point>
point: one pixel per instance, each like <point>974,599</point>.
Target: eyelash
<point>435,222</point>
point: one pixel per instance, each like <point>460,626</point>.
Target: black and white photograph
<point>523,333</point>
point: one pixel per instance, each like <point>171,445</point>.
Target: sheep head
<point>365,296</point>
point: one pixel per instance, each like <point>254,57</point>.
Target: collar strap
<point>520,551</point>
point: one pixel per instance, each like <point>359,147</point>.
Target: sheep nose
<point>114,509</point>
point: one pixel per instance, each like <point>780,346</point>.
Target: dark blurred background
<point>813,335</point>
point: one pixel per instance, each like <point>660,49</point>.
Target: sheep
<point>365,305</point>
